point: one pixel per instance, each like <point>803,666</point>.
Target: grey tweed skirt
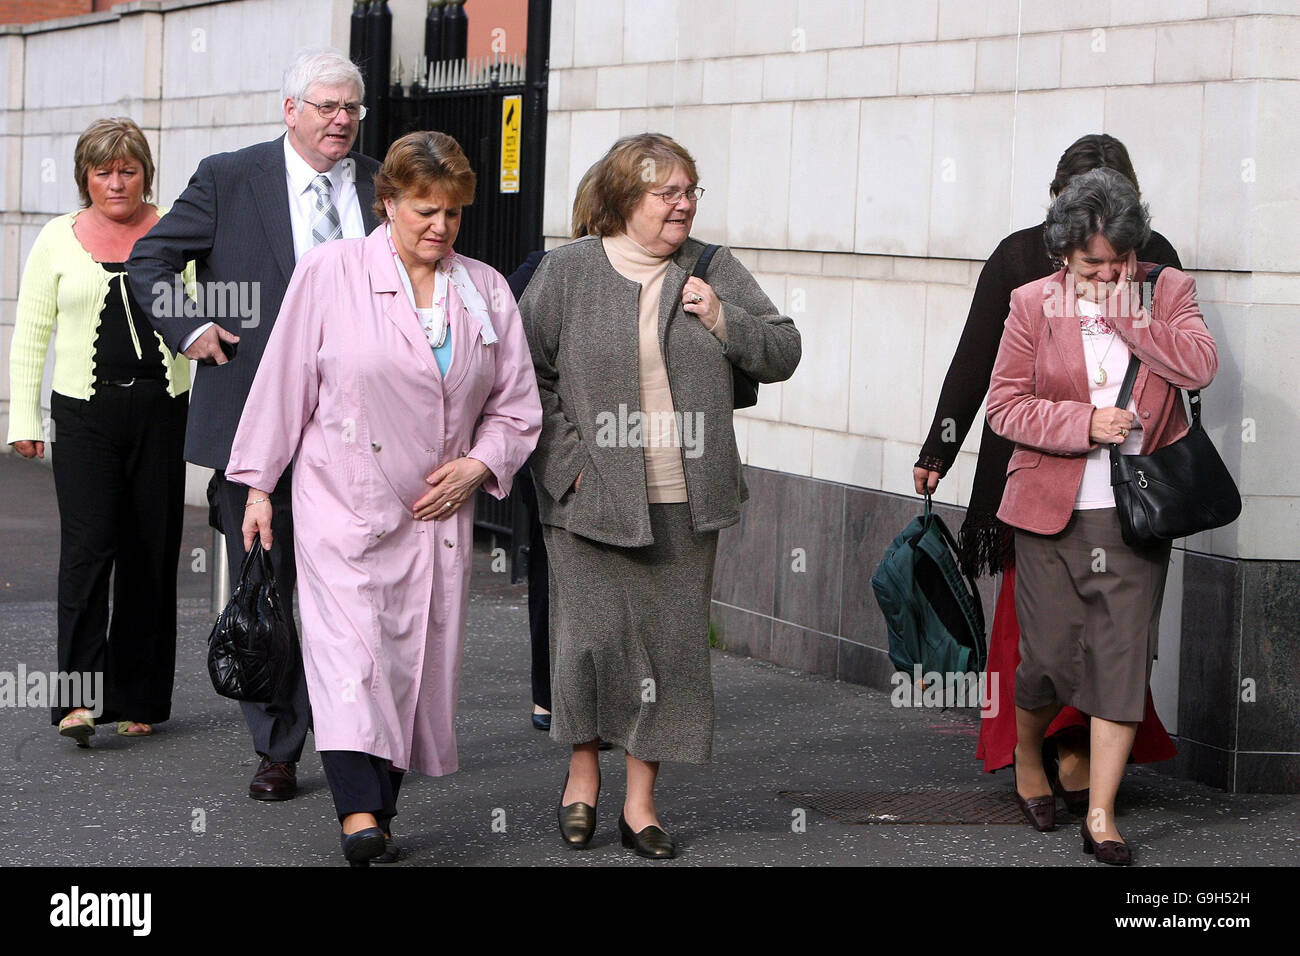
<point>630,640</point>
<point>1089,611</point>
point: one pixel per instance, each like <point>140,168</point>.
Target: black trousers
<point>279,729</point>
<point>362,783</point>
<point>539,600</point>
<point>119,475</point>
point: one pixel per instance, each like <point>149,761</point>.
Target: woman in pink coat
<point>398,381</point>
<point>1087,602</point>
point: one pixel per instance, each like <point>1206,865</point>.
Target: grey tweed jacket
<point>580,316</point>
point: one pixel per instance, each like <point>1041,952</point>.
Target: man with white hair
<point>245,219</point>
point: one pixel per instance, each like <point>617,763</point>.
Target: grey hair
<point>1098,201</point>
<point>319,66</point>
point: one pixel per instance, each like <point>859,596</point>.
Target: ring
<point>446,505</point>
<point>696,299</point>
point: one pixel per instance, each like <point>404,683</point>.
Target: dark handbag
<point>251,643</point>
<point>1177,490</point>
<point>744,387</point>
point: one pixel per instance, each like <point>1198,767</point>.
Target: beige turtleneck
<point>664,479</point>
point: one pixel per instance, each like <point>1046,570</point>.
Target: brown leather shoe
<point>1107,851</point>
<point>274,781</point>
<point>1039,811</point>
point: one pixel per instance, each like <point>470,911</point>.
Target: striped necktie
<point>325,219</point>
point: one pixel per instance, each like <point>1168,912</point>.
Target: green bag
<point>933,611</point>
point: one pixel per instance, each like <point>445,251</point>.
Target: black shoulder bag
<point>250,645</point>
<point>744,387</point>
<point>1177,490</point>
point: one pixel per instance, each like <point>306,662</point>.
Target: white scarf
<point>449,267</point>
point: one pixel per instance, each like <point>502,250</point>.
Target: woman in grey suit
<point>637,470</point>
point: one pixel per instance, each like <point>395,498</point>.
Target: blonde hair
<point>109,141</point>
<point>623,175</point>
<point>421,162</point>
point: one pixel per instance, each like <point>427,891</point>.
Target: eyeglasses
<point>674,196</point>
<point>329,109</point>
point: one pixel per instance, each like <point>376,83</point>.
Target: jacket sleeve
<point>1172,338</point>
<point>759,339</point>
<point>1014,410</point>
<point>33,326</point>
<point>185,233</point>
<point>560,454</point>
<point>284,394</point>
<point>512,416</point>
<point>967,380</point>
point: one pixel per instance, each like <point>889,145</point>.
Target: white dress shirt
<point>302,206</point>
<point>302,198</point>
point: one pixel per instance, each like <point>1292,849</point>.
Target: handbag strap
<point>702,263</point>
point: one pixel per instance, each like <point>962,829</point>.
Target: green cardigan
<point>62,293</point>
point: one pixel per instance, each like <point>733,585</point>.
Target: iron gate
<point>473,101</point>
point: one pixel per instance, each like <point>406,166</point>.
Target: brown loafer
<point>1076,801</point>
<point>274,781</point>
<point>1107,851</point>
<point>1039,811</point>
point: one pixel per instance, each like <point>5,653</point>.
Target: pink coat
<point>348,390</point>
<point>1039,396</point>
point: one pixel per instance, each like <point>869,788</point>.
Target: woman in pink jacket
<point>1088,604</point>
<point>398,381</point>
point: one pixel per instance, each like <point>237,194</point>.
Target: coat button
<point>1146,414</point>
<point>376,446</point>
<point>447,542</point>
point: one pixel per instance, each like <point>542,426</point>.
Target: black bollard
<point>379,46</point>
<point>455,30</point>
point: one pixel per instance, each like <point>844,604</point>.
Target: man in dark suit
<point>245,218</point>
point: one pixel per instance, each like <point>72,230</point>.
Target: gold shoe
<point>651,842</point>
<point>577,820</point>
<point>78,725</point>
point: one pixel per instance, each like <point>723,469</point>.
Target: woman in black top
<point>985,542</point>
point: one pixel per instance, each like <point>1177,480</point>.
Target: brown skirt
<point>1089,610</point>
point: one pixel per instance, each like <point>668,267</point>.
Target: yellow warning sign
<point>511,108</point>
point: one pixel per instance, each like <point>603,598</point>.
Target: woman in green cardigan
<point>118,410</point>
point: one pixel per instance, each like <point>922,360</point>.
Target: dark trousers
<point>539,599</point>
<point>279,728</point>
<point>119,474</point>
<point>362,783</point>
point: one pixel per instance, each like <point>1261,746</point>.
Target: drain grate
<point>913,806</point>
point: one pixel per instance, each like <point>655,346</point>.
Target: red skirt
<point>997,738</point>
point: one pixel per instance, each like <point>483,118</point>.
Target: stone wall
<point>863,159</point>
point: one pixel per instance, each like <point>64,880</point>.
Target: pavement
<point>179,798</point>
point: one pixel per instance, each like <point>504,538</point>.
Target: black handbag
<point>1177,490</point>
<point>744,387</point>
<point>250,645</point>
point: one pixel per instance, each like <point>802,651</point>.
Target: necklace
<point>1100,375</point>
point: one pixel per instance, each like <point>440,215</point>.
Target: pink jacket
<point>1039,395</point>
<point>350,391</point>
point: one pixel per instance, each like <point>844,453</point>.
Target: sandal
<point>124,728</point>
<point>78,725</point>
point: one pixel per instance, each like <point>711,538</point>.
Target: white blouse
<point>1103,347</point>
